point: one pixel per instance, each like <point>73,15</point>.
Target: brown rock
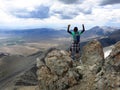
<point>58,61</point>
<point>113,60</point>
<point>111,77</point>
<point>92,52</point>
<point>115,54</point>
<point>57,72</point>
<point>96,73</point>
<point>93,55</point>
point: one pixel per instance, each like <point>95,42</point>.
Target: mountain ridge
<point>107,35</point>
<point>96,31</point>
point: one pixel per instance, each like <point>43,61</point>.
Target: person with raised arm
<point>75,47</point>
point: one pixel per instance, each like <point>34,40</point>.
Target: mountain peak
<point>95,27</point>
<point>60,72</point>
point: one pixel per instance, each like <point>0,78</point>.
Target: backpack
<point>76,37</point>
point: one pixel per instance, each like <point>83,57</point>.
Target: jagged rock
<point>113,60</point>
<point>115,55</point>
<point>110,80</point>
<point>92,52</point>
<point>58,72</point>
<point>93,55</point>
<point>58,61</point>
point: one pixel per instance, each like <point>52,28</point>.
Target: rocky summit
<point>56,71</point>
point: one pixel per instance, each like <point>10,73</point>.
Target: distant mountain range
<point>48,32</point>
<point>36,34</point>
<point>106,34</point>
<point>98,32</point>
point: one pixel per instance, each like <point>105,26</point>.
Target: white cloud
<point>25,3</point>
<point>59,14</point>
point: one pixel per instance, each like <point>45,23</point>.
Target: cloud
<point>69,11</point>
<point>106,2</point>
<point>85,11</point>
<point>57,13</point>
<point>69,1</point>
<point>40,12</point>
<point>73,13</point>
<point>68,16</point>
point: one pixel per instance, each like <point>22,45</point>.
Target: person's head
<point>75,29</point>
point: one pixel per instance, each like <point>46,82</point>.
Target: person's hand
<point>82,24</point>
<point>69,25</point>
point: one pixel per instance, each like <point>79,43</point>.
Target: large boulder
<point>110,79</point>
<point>58,61</point>
<point>113,60</point>
<point>93,55</point>
<point>56,71</point>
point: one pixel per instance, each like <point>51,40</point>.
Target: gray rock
<point>110,80</point>
<point>57,72</point>
<point>93,55</point>
<point>58,62</point>
<point>113,60</point>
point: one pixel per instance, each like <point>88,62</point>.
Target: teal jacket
<point>76,35</point>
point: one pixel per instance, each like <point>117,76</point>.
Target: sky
<point>57,14</point>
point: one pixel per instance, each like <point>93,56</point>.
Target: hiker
<point>75,47</point>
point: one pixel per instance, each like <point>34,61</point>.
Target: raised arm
<point>83,28</point>
<point>68,29</point>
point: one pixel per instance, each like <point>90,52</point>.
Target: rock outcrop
<point>110,79</point>
<point>114,57</point>
<point>56,70</point>
<point>93,61</point>
<point>93,55</point>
